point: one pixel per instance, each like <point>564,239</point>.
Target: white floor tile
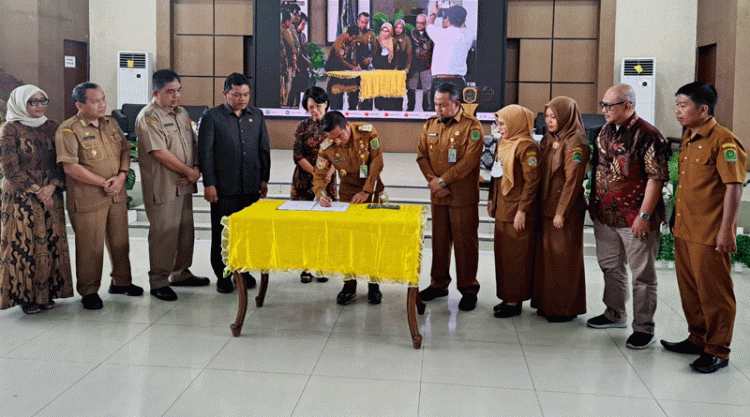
<point>436,400</point>
<point>690,409</point>
<point>329,396</point>
<point>233,393</point>
<point>116,390</point>
<point>575,405</point>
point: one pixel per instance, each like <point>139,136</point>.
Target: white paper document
<point>301,205</point>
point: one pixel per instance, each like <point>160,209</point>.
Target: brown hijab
<point>519,123</point>
<point>569,129</point>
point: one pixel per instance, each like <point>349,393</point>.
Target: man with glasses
<point>630,167</point>
<point>420,65</point>
<point>235,159</point>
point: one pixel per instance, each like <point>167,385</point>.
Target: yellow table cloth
<point>377,245</point>
<point>376,83</point>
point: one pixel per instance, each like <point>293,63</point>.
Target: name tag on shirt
<point>433,134</point>
<point>89,137</point>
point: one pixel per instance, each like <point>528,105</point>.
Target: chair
<point>195,112</point>
<point>126,119</point>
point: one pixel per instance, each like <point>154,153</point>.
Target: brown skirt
<point>560,280</point>
<point>514,261</point>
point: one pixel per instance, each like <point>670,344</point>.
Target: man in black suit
<point>235,159</point>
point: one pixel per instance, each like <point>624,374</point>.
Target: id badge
<point>363,171</point>
<point>452,156</point>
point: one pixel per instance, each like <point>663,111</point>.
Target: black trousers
<point>228,204</point>
<point>457,80</point>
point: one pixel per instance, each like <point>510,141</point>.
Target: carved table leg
<point>412,299</point>
<point>242,309</point>
<point>261,290</point>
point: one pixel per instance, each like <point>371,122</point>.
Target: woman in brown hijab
<point>560,283</point>
<point>512,203</point>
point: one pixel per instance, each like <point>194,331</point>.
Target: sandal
<point>305,277</point>
<point>31,308</point>
<point>48,306</point>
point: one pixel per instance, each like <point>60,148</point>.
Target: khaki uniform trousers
<point>93,230</point>
<point>707,293</point>
<point>170,240</point>
<point>616,247</point>
<point>457,227</point>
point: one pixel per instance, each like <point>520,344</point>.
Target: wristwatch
<point>645,216</point>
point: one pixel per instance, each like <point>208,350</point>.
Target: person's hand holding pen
<point>325,201</point>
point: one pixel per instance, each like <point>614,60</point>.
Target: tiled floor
<point>303,355</point>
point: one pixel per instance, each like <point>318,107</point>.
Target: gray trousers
<point>616,247</point>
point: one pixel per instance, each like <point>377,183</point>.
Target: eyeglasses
<point>608,106</point>
<point>34,103</point>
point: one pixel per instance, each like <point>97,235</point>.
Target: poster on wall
<point>380,58</point>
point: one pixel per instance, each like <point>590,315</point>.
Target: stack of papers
<point>301,205</point>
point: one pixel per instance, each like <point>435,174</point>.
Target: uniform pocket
<point>91,151</point>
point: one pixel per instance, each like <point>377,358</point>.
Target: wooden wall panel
<point>574,60</point>
<point>534,60</point>
<point>584,94</point>
<point>234,17</point>
<point>228,55</point>
<point>533,96</point>
<point>193,17</point>
<point>511,93</point>
<point>219,90</point>
<point>196,91</point>
<point>530,18</point>
<point>512,60</point>
<point>194,55</point>
<point>577,19</point>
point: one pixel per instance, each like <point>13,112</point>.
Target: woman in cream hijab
<point>560,281</point>
<point>34,258</point>
<point>512,202</point>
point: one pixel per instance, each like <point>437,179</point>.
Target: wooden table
<point>376,245</point>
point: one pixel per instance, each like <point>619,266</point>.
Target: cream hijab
<point>519,123</point>
<point>17,106</point>
<point>387,41</point>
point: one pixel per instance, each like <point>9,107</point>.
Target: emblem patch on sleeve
<point>475,135</point>
<point>730,155</point>
<point>375,144</point>
<point>532,161</point>
<point>321,163</point>
<point>577,157</point>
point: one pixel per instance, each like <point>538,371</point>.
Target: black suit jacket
<point>234,153</point>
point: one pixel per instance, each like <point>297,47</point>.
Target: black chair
<point>592,124</point>
<point>126,119</point>
<point>195,112</point>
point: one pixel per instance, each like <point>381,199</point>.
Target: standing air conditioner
<point>639,73</point>
<point>134,71</point>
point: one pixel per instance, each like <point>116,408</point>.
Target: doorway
<point>76,71</point>
<point>706,64</point>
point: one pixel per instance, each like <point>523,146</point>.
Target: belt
<point>448,76</point>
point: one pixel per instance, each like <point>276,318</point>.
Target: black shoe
<point>556,319</point>
<point>468,302</point>
<point>92,302</point>
<point>505,311</point>
<point>305,277</point>
<point>191,282</point>
<point>321,279</point>
<point>601,322</point>
<point>374,296</point>
<point>709,363</point>
<point>131,290</point>
<point>346,295</point>
<point>686,346</point>
<point>430,293</point>
<point>640,340</point>
<point>224,285</point>
<point>498,307</point>
<point>164,293</point>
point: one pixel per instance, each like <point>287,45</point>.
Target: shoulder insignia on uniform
<point>577,157</point>
<point>67,130</point>
<point>374,144</point>
<point>149,120</point>
<point>531,153</point>
<point>83,122</point>
<point>365,128</point>
<point>730,155</point>
<point>532,161</point>
<point>577,149</point>
<point>729,145</point>
<point>325,144</point>
<point>476,134</point>
<point>321,164</point>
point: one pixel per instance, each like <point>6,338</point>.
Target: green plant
<point>317,63</point>
<point>666,247</point>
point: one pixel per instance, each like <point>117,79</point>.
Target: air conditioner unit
<point>640,74</point>
<point>134,71</point>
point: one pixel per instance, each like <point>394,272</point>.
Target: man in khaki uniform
<point>341,58</point>
<point>712,170</point>
<point>354,149</point>
<point>96,159</point>
<point>169,171</point>
<point>365,47</point>
<point>449,153</point>
<point>291,48</point>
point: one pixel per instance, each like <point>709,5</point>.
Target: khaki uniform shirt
<point>522,196</point>
<point>366,45</point>
<point>709,161</point>
<point>98,149</point>
<point>564,165</point>
<point>463,133</point>
<point>341,56</point>
<point>159,128</point>
<point>363,149</point>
